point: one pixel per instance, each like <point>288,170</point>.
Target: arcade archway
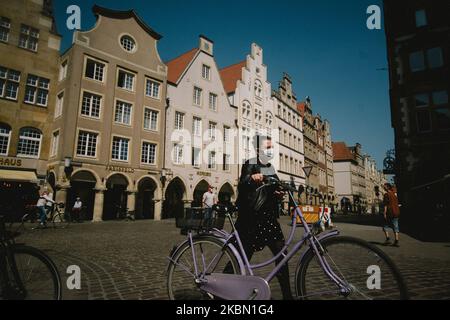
<point>82,184</point>
<point>175,194</point>
<point>145,203</point>
<point>199,190</point>
<point>226,194</point>
<point>115,196</point>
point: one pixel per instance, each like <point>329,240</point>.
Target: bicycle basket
<point>194,219</point>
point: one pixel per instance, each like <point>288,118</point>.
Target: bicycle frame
<point>314,243</point>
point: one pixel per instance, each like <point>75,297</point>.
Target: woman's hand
<point>258,177</point>
<point>279,194</point>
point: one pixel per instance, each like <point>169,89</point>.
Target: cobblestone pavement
<point>127,260</point>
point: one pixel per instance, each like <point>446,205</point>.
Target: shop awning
<point>17,175</point>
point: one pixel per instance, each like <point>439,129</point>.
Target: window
<point>434,58</point>
<point>440,98</point>
<point>59,104</point>
<point>9,83</point>
<point>87,144</point>
<point>94,70</point>
<point>196,157</point>
<point>206,72</point>
<point>125,80</point>
<point>91,105</point>
<point>423,121</point>
<point>197,127</point>
<point>269,119</point>
<point>152,88</point>
<point>150,119</point>
<point>226,162</point>
<point>178,153</point>
<point>226,134</point>
<point>258,115</point>
<point>443,118</point>
<point>123,112</point>
<point>197,96</point>
<point>179,121</point>
<point>5,136</point>
<point>258,89</point>
<point>5,26</point>
<point>29,38</point>
<point>62,71</point>
<point>212,160</point>
<point>417,61</point>
<point>246,109</point>
<point>128,44</point>
<point>421,18</point>
<point>213,101</point>
<point>148,153</point>
<point>120,149</point>
<point>36,91</point>
<point>421,100</point>
<point>212,131</point>
<point>29,142</point>
<point>55,143</point>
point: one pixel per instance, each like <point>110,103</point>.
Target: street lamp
<point>68,168</point>
<point>163,177</point>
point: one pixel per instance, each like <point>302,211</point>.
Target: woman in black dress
<point>258,209</point>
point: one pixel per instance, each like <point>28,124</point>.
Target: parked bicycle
<point>26,273</point>
<point>332,267</point>
<point>56,216</point>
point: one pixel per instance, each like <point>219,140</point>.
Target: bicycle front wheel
<point>34,275</point>
<point>210,257</point>
<point>61,220</point>
<point>364,268</point>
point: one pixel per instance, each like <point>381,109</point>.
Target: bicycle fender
<point>233,249</point>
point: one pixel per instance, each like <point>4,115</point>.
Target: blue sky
<point>324,45</point>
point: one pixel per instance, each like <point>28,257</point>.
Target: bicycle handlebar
<point>272,181</point>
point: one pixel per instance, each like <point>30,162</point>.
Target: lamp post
<point>68,167</point>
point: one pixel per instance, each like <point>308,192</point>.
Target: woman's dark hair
<point>259,139</point>
<point>388,186</point>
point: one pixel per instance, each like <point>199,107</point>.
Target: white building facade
<point>290,130</point>
<point>249,91</point>
<point>199,132</point>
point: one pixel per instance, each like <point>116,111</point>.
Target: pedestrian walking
<point>391,214</point>
<point>208,201</point>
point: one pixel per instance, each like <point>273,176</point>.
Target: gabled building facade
<point>199,131</point>
<point>249,91</point>
<point>290,131</point>
<point>107,141</point>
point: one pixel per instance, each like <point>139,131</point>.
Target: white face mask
<point>268,153</point>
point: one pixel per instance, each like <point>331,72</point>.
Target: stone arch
<point>200,188</point>
<point>146,197</point>
<point>116,195</point>
<point>82,185</point>
<point>174,198</point>
<point>226,193</point>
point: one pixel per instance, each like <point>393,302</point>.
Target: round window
<point>128,43</point>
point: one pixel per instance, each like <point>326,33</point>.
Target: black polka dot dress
<point>267,230</point>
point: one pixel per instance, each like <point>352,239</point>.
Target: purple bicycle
<point>211,263</point>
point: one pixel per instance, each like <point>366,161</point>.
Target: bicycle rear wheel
<point>368,271</point>
<point>181,283</point>
<point>33,275</point>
